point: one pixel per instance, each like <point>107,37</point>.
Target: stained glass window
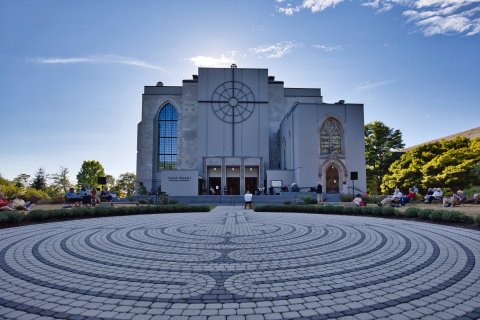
<point>167,138</point>
<point>331,137</point>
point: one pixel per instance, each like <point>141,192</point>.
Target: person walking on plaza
<point>319,193</point>
<point>248,200</point>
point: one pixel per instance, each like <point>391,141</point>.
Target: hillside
<point>472,133</point>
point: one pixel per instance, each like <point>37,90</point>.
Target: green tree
<point>445,164</point>
<point>476,172</point>
<point>380,141</point>
<point>125,184</point>
<point>89,173</point>
<point>451,169</point>
<point>110,181</point>
<point>60,181</point>
<point>40,180</point>
<point>21,180</point>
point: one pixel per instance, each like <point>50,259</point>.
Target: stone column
<point>242,176</point>
<point>224,174</point>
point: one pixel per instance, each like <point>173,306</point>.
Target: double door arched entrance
<point>332,180</point>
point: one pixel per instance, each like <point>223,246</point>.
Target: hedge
<point>444,216</point>
<point>19,217</point>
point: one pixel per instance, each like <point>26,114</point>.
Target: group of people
<point>15,204</point>
<point>399,198</point>
<point>87,197</point>
<point>433,194</point>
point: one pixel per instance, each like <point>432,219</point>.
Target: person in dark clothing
<point>319,193</point>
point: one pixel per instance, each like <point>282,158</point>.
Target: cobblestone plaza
<point>236,264</point>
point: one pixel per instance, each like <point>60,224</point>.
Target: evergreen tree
<point>40,180</point>
<point>380,141</point>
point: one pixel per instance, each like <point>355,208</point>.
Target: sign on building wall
<point>180,182</point>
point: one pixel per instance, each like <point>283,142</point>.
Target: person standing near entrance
<point>319,193</point>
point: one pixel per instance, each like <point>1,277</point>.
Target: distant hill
<point>472,133</point>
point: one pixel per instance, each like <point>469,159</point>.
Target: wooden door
<point>333,183</point>
<point>251,184</point>
<point>233,186</point>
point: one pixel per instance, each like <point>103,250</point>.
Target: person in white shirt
<point>437,195</point>
<point>248,200</point>
<point>396,195</point>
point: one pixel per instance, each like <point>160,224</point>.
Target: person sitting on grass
<point>3,199</point>
<point>411,196</point>
<point>358,201</point>
<point>474,199</point>
<point>437,195</point>
<point>397,195</point>
<point>457,199</point>
<point>18,204</point>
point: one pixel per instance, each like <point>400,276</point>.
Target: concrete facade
<point>241,129</point>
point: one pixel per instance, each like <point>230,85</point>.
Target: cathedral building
<point>232,130</point>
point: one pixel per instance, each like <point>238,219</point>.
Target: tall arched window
<point>167,138</point>
<point>331,137</point>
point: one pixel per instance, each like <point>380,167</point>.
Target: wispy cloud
<point>372,85</point>
<point>312,5</point>
<point>100,59</point>
<point>276,50</point>
<point>206,61</point>
<point>431,17</point>
<point>329,48</point>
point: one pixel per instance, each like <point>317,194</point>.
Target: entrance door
<point>233,186</point>
<point>333,183</point>
<point>213,182</point>
<point>251,184</point>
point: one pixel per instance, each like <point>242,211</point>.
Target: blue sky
<point>72,72</point>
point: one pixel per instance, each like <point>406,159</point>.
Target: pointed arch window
<point>167,138</point>
<point>331,137</point>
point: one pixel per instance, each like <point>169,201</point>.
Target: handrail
<point>357,189</point>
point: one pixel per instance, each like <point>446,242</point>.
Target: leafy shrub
<point>346,197</point>
<point>309,200</point>
<point>34,194</point>
<point>349,210</point>
<point>411,213</point>
<point>436,215</point>
<point>11,217</point>
<point>425,214</point>
<point>430,214</point>
<point>374,199</point>
<point>454,216</point>
<point>11,191</point>
<point>378,211</point>
<point>388,212</point>
<point>16,217</point>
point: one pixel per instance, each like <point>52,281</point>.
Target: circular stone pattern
<point>235,264</point>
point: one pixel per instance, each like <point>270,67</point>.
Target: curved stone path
<point>236,264</point>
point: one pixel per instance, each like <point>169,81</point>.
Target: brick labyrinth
<point>236,264</point>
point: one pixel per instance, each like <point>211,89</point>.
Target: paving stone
<point>235,264</point>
